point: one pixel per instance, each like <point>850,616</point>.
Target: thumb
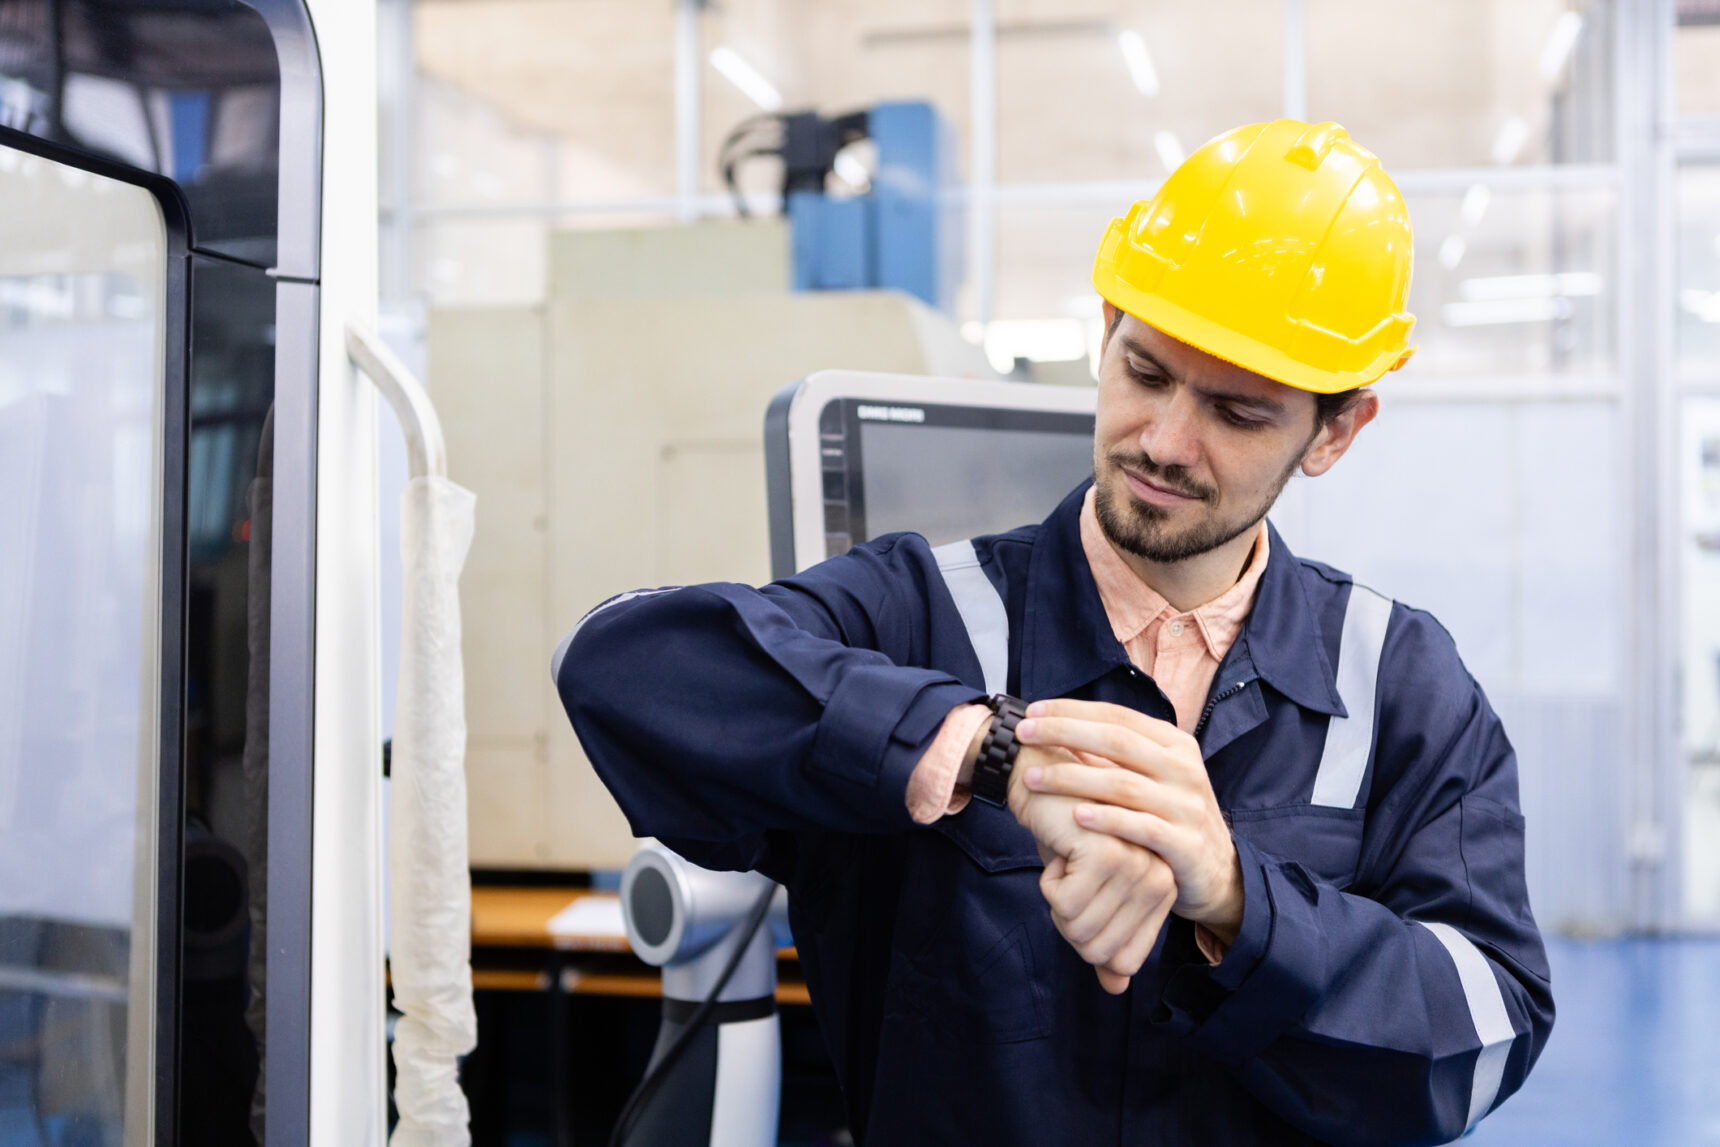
<point>1114,982</point>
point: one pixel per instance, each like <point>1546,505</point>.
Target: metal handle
<point>426,453</point>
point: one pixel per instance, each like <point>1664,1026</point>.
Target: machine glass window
<point>82,283</point>
<point>1698,270</point>
<point>1466,83</point>
<point>1699,546</point>
<point>1507,282</point>
<point>1696,59</point>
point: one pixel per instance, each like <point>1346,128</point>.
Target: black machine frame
<point>274,241</point>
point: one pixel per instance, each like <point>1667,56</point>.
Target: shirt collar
<point>1132,605</point>
<point>1068,640</point>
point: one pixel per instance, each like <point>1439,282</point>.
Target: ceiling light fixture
<point>1565,284</point>
<point>1451,252</point>
<point>1475,202</point>
<point>1560,41</point>
<point>1170,150</point>
<point>1140,63</point>
<point>1513,134</point>
<point>747,78</point>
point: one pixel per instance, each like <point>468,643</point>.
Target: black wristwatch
<point>997,752</point>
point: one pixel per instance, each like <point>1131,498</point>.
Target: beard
<point>1143,529</point>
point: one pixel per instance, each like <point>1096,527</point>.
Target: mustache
<point>1170,477</point>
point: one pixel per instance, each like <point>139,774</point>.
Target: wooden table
<point>507,917</point>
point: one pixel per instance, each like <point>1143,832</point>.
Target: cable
<point>659,1071</point>
<point>727,159</point>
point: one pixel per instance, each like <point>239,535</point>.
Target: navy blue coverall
<point>1388,984</point>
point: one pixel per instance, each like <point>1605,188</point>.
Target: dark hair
<point>1326,406</point>
<point>1329,406</point>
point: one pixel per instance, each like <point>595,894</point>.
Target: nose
<point>1170,436</point>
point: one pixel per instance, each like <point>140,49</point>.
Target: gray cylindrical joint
<point>683,918</point>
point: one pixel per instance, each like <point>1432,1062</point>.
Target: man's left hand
<point>1159,798</point>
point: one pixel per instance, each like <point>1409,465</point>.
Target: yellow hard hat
<point>1282,247</point>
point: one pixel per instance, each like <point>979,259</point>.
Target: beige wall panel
<point>486,378</point>
<point>657,474</point>
<point>718,258</point>
<point>507,804</point>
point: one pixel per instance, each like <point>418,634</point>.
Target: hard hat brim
<point>1218,340</point>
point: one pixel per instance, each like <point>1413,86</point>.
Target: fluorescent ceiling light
<point>1563,38</point>
<point>1567,284</point>
<point>1451,252</point>
<point>1495,312</point>
<point>1170,150</point>
<point>1513,133</point>
<point>1475,202</point>
<point>1140,63</point>
<point>1705,305</point>
<point>747,78</point>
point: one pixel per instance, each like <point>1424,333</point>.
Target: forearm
<point>1335,995</point>
<point>711,714</point>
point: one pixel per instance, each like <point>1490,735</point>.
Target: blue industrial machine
<point>904,232</point>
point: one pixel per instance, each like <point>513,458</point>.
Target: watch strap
<point>997,753</point>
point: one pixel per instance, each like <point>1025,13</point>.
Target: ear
<point>1110,311</point>
<point>1334,439</point>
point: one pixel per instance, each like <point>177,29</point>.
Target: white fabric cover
<point>430,890</point>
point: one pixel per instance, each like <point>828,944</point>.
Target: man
<point>1268,807</point>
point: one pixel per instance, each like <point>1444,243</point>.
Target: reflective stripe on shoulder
<point>560,654</point>
<point>981,608</point>
<point>1486,1011</point>
<point>1349,740</point>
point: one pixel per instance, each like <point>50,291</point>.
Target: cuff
<point>932,787</point>
<point>879,723</point>
<point>1233,1010</point>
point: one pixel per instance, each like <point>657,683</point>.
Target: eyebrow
<point>1255,402</point>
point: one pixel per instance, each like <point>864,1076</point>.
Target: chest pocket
<point>975,949</point>
<point>1325,841</point>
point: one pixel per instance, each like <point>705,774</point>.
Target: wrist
<point>1224,921</point>
<point>964,775</point>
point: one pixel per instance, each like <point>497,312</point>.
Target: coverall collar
<point>1067,640</point>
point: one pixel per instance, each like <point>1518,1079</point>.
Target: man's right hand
<point>1108,897</point>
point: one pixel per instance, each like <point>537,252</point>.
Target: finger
<point>1134,953</point>
<point>1076,889</point>
<point>1120,787</point>
<point>1115,743</point>
<point>1103,712</point>
<point>1153,833</point>
<point>1102,950</point>
<point>1112,982</point>
<point>1080,919</point>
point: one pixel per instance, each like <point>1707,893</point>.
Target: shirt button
<point>1176,628</point>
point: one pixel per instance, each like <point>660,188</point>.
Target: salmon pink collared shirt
<point>1179,651</point>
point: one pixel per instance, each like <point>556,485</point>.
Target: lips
<point>1151,492</point>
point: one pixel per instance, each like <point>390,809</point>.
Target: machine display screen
<point>947,472</point>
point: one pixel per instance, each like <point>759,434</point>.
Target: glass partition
<point>1466,83</point>
<point>82,366</point>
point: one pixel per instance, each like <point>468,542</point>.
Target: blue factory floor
<point>1635,1056</point>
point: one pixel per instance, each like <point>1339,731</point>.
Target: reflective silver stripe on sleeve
<point>1350,739</point>
<point>560,654</point>
<point>1486,1011</point>
<point>982,611</point>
